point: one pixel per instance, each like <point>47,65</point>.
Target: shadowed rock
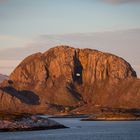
<point>25,96</point>
<point>77,73</point>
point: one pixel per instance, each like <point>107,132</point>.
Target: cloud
<point>10,41</point>
<point>7,66</point>
<point>120,1</point>
<point>137,68</point>
<point>7,37</point>
<point>124,43</point>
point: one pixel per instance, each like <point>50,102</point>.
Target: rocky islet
<point>70,80</point>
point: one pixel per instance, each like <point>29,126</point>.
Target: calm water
<point>98,130</point>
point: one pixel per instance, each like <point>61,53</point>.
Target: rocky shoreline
<point>28,123</point>
<point>113,117</point>
<point>70,116</point>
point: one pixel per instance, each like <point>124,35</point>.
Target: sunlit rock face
<point>69,78</point>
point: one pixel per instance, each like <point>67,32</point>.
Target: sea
<point>81,130</point>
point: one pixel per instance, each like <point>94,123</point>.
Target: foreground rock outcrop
<point>24,122</point>
<point>65,79</point>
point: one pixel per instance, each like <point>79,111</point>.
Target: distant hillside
<point>3,77</point>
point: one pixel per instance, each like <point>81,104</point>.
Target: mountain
<point>66,79</point>
<point>124,43</point>
<point>2,77</point>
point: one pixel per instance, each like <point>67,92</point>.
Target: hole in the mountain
<point>78,74</point>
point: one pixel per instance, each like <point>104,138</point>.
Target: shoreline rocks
<point>29,123</point>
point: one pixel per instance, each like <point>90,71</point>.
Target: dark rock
<point>28,123</point>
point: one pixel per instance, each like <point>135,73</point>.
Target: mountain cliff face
<point>69,79</point>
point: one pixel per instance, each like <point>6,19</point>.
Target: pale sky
<point>22,21</point>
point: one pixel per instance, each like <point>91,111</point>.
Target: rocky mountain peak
<point>67,77</point>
